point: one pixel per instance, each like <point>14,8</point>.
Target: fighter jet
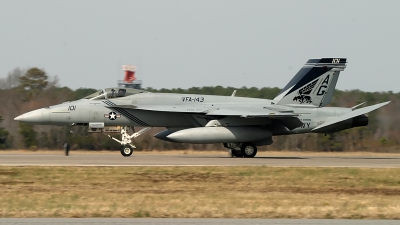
<point>240,124</point>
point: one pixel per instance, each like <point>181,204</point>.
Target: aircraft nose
<point>34,116</point>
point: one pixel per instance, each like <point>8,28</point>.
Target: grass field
<point>235,192</point>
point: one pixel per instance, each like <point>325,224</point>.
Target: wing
<point>251,112</point>
<point>226,111</point>
<point>286,117</point>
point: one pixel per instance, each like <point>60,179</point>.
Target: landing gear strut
<point>126,142</point>
<point>236,153</point>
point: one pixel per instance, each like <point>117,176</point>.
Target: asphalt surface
<point>116,159</point>
<point>123,221</point>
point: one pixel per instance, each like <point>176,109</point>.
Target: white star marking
<point>112,116</point>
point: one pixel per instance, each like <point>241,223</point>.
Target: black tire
<point>236,153</point>
<point>126,150</point>
<point>249,150</point>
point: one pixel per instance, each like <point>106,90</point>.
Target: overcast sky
<point>182,44</point>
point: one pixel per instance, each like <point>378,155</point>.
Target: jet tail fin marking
<point>314,84</point>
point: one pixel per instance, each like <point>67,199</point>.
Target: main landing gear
<point>126,142</point>
<point>247,150</point>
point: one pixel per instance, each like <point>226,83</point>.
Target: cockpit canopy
<point>113,93</point>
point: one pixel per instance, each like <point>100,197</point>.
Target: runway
<point>93,159</point>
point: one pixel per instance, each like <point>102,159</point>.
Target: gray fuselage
<point>178,111</point>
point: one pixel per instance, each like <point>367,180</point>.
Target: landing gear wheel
<point>236,153</point>
<point>249,150</point>
<point>126,150</point>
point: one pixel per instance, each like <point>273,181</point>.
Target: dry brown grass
<point>235,192</point>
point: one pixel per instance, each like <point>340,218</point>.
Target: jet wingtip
<point>383,104</point>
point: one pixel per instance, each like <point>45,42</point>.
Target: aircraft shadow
<point>227,157</point>
<point>367,157</point>
<point>282,157</point>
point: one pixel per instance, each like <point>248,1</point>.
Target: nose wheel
<point>126,150</point>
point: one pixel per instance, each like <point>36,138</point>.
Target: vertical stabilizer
<point>314,84</point>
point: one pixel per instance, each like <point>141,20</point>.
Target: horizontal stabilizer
<point>350,115</point>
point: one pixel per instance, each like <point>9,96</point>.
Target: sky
<point>183,44</point>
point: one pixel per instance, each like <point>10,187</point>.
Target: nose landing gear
<point>126,140</point>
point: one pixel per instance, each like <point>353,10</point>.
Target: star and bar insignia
<point>112,115</point>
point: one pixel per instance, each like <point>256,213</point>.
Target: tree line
<point>29,89</point>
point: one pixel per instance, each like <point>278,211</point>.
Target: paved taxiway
<point>194,160</point>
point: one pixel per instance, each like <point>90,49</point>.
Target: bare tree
<point>53,81</point>
<point>12,79</point>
